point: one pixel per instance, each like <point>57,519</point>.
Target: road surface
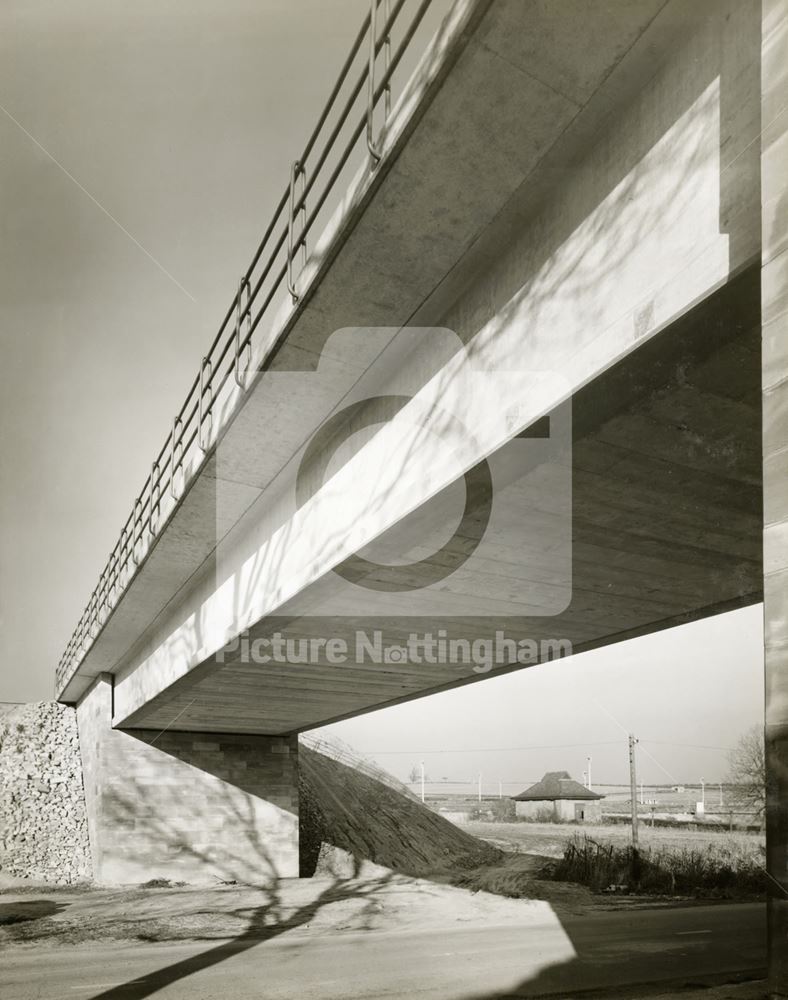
<point>554,958</point>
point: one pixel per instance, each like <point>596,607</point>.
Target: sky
<point>142,150</point>
<point>180,119</point>
<point>685,693</point>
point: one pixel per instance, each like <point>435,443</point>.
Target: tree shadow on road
<point>264,923</point>
<point>27,910</point>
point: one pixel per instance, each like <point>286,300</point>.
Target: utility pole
<point>422,781</point>
<point>480,786</point>
<point>633,790</point>
<point>703,792</point>
<point>588,762</point>
<point>500,788</point>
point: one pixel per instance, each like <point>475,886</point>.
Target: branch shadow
<point>263,922</point>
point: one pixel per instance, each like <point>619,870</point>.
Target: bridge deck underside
<point>666,528</point>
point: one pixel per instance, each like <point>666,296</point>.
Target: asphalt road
<point>602,950</point>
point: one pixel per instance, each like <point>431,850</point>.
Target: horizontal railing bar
<point>400,52</point>
<point>158,494</point>
<point>396,58</point>
<point>338,85</point>
<point>304,155</point>
<point>346,111</point>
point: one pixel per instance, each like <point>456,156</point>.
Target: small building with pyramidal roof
<point>558,798</point>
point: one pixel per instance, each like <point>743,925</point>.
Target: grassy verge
<point>550,839</point>
<point>711,872</point>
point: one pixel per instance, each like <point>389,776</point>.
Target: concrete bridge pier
<point>186,806</point>
<point>774,290</point>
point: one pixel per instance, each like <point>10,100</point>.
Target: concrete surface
<point>774,145</point>
<point>546,957</point>
<point>635,231</point>
<point>579,188</point>
<point>662,522</point>
<point>183,806</point>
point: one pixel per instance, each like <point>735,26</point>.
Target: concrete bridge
<point>515,387</point>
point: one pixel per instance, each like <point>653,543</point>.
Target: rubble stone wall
<point>43,820</point>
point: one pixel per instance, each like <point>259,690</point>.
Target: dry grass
<point>371,821</point>
<point>550,839</point>
<point>721,871</point>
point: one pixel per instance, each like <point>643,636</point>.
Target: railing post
<point>155,499</point>
<point>293,244</point>
<point>373,40</point>
<point>244,284</point>
<point>136,532</point>
<point>205,385</point>
<point>175,464</point>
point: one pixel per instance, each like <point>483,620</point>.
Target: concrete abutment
<point>193,807</point>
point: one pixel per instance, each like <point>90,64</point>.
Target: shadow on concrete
<point>270,920</point>
<point>23,911</point>
<point>558,268</point>
<point>648,952</point>
<point>556,955</point>
<point>264,923</point>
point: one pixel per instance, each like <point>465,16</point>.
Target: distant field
<point>549,839</point>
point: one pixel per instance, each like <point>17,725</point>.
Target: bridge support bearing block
<point>191,807</point>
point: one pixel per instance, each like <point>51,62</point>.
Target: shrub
<point>502,810</point>
<point>713,872</point>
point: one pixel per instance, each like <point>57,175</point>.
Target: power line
<point>543,746</point>
<point>98,205</point>
<point>691,746</point>
<point>535,746</point>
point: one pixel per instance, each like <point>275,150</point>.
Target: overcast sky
<point>177,122</point>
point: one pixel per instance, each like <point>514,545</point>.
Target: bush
<point>715,872</point>
<point>544,815</point>
<point>494,810</point>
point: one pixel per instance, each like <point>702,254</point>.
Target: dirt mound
<point>371,821</point>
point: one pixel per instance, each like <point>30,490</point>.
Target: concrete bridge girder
<point>585,195</point>
<point>614,261</point>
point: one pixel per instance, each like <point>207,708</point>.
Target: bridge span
<point>505,380</point>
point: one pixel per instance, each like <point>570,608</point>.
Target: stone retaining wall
<point>43,822</point>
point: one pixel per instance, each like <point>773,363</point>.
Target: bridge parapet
<point>344,157</point>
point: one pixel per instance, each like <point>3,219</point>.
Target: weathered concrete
<point>183,806</point>
<point>655,217</point>
<point>560,811</point>
<point>582,203</point>
<point>666,523</point>
<point>334,289</point>
<point>625,253</point>
<point>774,149</point>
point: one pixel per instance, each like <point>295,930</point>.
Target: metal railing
<point>336,749</point>
<point>272,273</point>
